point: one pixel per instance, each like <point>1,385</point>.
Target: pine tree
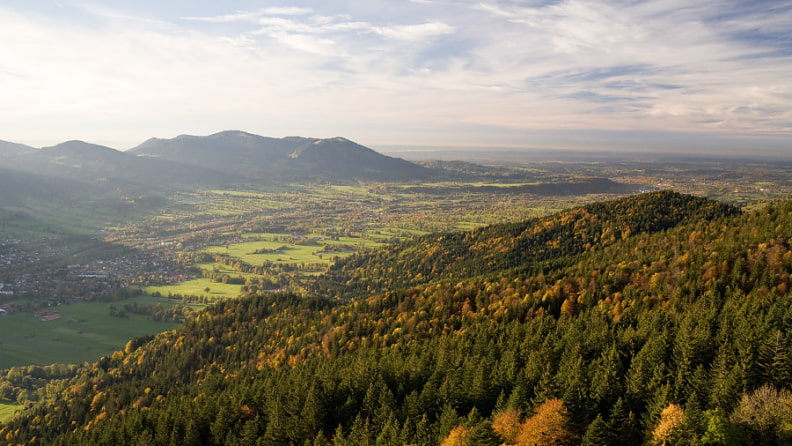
<point>597,433</point>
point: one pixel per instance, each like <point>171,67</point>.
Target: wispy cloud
<point>245,16</point>
<point>494,71</point>
<point>413,32</point>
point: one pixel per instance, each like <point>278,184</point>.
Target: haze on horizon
<point>639,75</point>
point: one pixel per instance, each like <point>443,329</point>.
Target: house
<point>50,317</point>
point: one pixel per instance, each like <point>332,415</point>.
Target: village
<point>37,290</point>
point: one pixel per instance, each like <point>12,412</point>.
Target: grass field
<point>7,409</point>
<point>197,287</point>
<point>280,251</point>
<point>85,332</point>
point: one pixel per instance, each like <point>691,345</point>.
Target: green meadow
<point>84,332</point>
<point>270,247</point>
<point>8,409</point>
<point>198,287</point>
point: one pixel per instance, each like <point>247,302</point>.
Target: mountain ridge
<point>11,148</point>
<point>288,158</point>
<point>96,164</point>
<point>229,153</point>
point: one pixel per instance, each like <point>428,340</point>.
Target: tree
<point>549,426</point>
<point>765,415</point>
<point>718,430</point>
<point>457,437</point>
<point>670,419</point>
<point>596,434</point>
<point>623,424</point>
<point>507,425</point>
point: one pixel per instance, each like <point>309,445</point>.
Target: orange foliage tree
<point>507,425</point>
<point>550,426</point>
<point>457,437</point>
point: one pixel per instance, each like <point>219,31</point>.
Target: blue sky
<point>622,75</point>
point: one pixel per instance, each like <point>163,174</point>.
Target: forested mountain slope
<point>672,336</point>
<point>517,245</point>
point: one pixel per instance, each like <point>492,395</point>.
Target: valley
<point>334,272</point>
<point>192,247</point>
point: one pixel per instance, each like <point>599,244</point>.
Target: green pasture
<point>8,409</point>
<point>280,251</point>
<point>197,287</point>
<point>85,332</point>
<point>222,269</point>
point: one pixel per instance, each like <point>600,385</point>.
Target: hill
<point>21,188</point>
<point>110,168</point>
<point>291,158</point>
<point>664,320</point>
<point>521,245</point>
<point>10,148</point>
<point>578,186</point>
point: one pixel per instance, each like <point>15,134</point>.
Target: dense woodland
<point>655,319</point>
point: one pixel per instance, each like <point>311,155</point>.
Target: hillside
<point>112,169</point>
<point>20,188</point>
<point>521,245</point>
<point>579,186</point>
<point>662,320</point>
<point>10,148</point>
<point>291,158</point>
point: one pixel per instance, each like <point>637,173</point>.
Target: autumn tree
<point>550,425</point>
<point>765,416</point>
<point>670,419</point>
<point>506,425</point>
<point>457,437</point>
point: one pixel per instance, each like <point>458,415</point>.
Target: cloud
<point>305,42</point>
<point>413,32</point>
<point>468,70</point>
<point>244,16</point>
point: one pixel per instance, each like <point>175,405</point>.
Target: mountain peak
<point>292,158</point>
<point>234,133</point>
<point>81,148</point>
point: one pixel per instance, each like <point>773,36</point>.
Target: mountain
<point>665,319</point>
<point>291,158</point>
<point>10,148</point>
<point>112,169</point>
<point>21,188</point>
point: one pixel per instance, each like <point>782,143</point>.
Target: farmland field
<point>197,287</point>
<point>84,332</point>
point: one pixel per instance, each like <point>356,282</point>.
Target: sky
<point>632,75</point>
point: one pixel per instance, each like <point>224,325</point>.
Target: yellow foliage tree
<point>569,307</point>
<point>548,427</point>
<point>507,425</point>
<point>670,419</point>
<point>457,437</point>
